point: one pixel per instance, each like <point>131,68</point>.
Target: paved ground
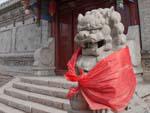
<point>4,79</point>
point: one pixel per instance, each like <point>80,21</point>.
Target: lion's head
<point>100,32</point>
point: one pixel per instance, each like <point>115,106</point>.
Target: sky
<point>1,1</point>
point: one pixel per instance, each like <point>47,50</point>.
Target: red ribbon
<point>109,85</point>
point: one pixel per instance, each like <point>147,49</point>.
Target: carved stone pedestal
<point>76,111</point>
<point>43,71</point>
<point>79,105</point>
<point>44,60</point>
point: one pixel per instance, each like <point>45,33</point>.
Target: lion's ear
<point>112,8</point>
<point>80,16</point>
<point>110,11</point>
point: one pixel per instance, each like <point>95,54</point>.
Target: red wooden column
<point>133,8</point>
<point>129,13</point>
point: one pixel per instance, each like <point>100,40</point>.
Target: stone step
<point>6,109</point>
<point>50,91</point>
<point>58,82</point>
<point>38,98</point>
<point>26,106</point>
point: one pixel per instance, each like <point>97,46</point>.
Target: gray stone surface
<point>7,109</point>
<point>58,82</point>
<point>5,41</point>
<point>4,79</point>
<point>137,105</point>
<point>44,59</point>
<point>28,38</point>
<point>146,66</point>
<point>30,98</point>
<point>144,11</point>
<point>45,90</point>
<point>133,41</point>
<point>35,92</point>
<point>55,102</point>
<point>143,87</point>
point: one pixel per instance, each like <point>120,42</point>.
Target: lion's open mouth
<point>98,44</point>
<point>101,43</point>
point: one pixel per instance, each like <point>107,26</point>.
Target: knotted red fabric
<point>109,85</point>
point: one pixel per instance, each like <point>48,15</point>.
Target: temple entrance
<point>68,11</point>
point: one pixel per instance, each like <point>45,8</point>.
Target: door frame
<point>55,26</point>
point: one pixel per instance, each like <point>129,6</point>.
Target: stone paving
<point>4,79</point>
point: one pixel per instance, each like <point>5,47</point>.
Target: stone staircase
<point>36,95</point>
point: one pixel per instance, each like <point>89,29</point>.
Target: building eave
<point>8,5</point>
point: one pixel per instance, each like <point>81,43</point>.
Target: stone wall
<point>20,37</point>
<point>144,11</point>
<point>133,41</point>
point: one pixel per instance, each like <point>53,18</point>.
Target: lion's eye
<point>93,31</point>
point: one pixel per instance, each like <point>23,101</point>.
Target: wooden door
<point>64,44</point>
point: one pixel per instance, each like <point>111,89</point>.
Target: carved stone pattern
<point>17,61</point>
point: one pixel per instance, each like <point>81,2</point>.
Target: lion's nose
<point>83,35</point>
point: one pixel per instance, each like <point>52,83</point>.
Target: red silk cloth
<point>109,85</point>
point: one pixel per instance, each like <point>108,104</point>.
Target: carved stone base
<point>79,111</point>
<point>16,64</point>
<point>41,71</point>
<point>79,105</point>
<point>44,60</point>
<point>146,66</point>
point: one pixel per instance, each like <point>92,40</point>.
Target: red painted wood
<point>134,12</point>
<point>125,15</point>
<point>64,44</point>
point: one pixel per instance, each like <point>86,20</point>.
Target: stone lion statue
<point>100,33</point>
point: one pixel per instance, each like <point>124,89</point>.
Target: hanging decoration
<point>40,9</point>
<point>25,4</point>
<point>45,10</point>
<point>120,4</point>
<point>52,7</point>
<point>32,7</point>
<point>131,1</point>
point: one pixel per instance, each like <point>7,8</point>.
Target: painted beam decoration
<point>120,3</point>
<point>41,9</point>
